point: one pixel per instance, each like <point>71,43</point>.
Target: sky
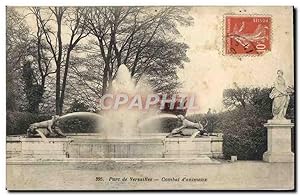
<point>209,71</point>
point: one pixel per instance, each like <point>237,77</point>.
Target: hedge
<point>18,122</point>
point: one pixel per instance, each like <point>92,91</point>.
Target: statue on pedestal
<point>279,128</point>
<point>281,97</point>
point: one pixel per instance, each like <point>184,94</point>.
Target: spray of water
<point>156,118</point>
<point>123,122</point>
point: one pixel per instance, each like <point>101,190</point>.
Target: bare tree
<point>61,16</point>
<point>143,38</point>
<point>127,35</point>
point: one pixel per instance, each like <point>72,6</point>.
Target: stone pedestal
<point>279,141</point>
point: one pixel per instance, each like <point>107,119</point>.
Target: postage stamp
<point>247,34</point>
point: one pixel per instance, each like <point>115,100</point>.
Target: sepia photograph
<point>145,98</point>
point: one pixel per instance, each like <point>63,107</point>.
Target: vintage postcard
<point>150,98</point>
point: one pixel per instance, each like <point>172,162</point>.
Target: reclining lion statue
<point>45,128</point>
<point>197,128</point>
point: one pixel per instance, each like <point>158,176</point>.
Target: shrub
<point>243,134</point>
<point>78,125</point>
<point>167,125</point>
<point>18,122</point>
<point>211,119</point>
<point>78,106</point>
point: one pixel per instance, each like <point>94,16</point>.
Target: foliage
<point>17,47</point>
<point>78,106</point>
<point>238,97</point>
<point>243,134</point>
<point>243,131</point>
<point>78,125</point>
<point>212,120</point>
<point>18,122</point>
<point>24,81</point>
<point>242,126</point>
<point>167,125</point>
<point>34,91</point>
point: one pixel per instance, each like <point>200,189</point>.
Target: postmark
<point>247,35</point>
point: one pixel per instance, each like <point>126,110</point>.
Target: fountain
<point>121,122</point>
<point>123,133</point>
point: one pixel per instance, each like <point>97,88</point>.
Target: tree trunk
<point>58,63</point>
<point>135,63</point>
<point>64,82</point>
<point>105,78</point>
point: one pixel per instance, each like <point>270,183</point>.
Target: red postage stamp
<point>247,34</point>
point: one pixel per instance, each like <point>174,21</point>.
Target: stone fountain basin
<point>152,145</point>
